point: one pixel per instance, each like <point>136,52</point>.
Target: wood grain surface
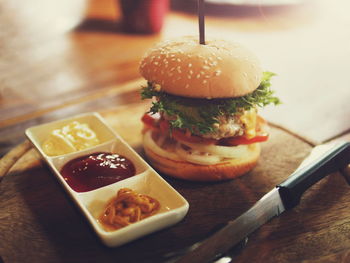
<point>306,45</point>
<point>48,72</point>
<point>39,222</point>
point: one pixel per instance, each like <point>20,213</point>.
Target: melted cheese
<point>249,121</point>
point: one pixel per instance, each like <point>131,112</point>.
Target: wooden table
<point>47,75</point>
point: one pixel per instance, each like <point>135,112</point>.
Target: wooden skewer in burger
<point>203,124</point>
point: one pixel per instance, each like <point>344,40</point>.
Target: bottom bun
<point>228,169</point>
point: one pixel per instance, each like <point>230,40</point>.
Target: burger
<point>203,123</point>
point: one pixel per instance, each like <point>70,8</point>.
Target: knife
<point>283,197</point>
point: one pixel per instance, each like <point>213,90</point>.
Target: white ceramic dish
<point>146,181</point>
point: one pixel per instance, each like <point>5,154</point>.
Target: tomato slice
<point>150,122</point>
<point>180,135</point>
<point>154,123</point>
<point>164,126</point>
<point>239,140</point>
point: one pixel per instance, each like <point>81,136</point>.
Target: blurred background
<point>56,57</point>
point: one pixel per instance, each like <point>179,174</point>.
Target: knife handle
<point>292,189</point>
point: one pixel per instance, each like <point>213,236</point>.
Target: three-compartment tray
<point>173,207</point>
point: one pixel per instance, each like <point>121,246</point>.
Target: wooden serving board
<point>39,223</point>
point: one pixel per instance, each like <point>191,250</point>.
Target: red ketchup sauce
<point>96,170</point>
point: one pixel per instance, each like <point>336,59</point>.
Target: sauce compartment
<point>173,207</point>
<point>38,134</point>
<point>115,146</point>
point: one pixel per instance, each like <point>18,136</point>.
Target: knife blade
<point>283,197</point>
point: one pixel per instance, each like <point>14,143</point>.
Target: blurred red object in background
<point>143,16</point>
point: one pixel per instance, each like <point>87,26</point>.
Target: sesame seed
<point>156,63</point>
<point>205,81</point>
<point>187,86</point>
<point>205,67</point>
<point>219,58</point>
<point>189,76</point>
<point>178,60</point>
<point>198,76</point>
<point>191,72</point>
<point>189,65</point>
<point>217,72</point>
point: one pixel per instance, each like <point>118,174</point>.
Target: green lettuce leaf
<point>199,115</point>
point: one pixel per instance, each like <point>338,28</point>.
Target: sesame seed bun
<point>228,169</point>
<point>219,69</point>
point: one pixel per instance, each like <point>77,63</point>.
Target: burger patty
<point>243,123</point>
<point>228,126</point>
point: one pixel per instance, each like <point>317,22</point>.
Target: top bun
<point>218,69</point>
